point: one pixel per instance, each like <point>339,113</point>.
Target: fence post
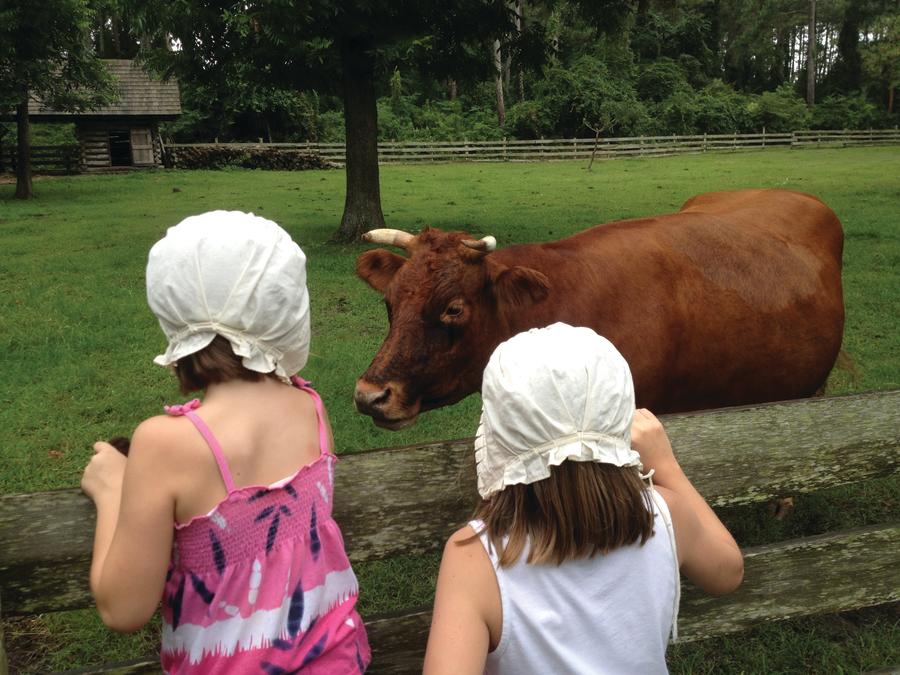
<point>793,139</point>
<point>574,148</point>
<point>704,141</point>
<point>641,149</point>
<point>734,141</point>
<point>764,136</point>
<point>505,158</point>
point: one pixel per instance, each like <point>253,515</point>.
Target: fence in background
<point>66,159</point>
<point>508,150</point>
<point>46,159</point>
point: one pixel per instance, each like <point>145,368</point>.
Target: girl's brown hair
<point>581,509</point>
<point>214,364</point>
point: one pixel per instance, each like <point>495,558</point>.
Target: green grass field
<point>77,340</point>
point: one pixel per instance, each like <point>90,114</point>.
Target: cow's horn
<point>485,244</point>
<point>389,237</point>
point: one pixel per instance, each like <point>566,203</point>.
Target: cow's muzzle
<point>383,403</point>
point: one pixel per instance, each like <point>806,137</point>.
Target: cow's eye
<point>453,313</point>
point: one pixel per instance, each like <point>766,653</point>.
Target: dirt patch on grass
<point>29,642</point>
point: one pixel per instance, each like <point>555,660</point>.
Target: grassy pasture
<point>76,339</point>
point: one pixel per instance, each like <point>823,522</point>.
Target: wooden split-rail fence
<point>556,149</point>
<point>45,159</point>
<point>71,158</point>
<point>403,501</point>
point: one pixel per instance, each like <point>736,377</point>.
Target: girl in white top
<point>572,563</point>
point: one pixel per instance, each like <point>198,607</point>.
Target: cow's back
<point>734,299</point>
<point>797,216</point>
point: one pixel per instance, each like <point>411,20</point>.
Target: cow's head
<point>449,304</point>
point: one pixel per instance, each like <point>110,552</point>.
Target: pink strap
<point>188,408</point>
<point>300,383</point>
<point>214,446</point>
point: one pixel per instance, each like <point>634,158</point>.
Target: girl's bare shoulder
<point>465,552</point>
<point>163,439</point>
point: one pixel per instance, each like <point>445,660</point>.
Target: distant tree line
<point>359,72</point>
<point>689,66</point>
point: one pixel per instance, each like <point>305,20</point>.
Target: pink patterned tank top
<point>262,583</point>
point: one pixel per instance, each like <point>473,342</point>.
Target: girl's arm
<point>135,516</point>
<point>459,639</point>
<point>708,554</point>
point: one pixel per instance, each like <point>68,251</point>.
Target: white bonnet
<point>549,395</point>
<point>236,275</point>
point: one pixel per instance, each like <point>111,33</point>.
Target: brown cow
<point>735,299</point>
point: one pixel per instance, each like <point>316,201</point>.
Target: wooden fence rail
<point>46,159</point>
<point>66,159</point>
<point>510,150</point>
<point>407,500</point>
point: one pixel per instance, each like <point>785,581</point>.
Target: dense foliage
<point>691,66</point>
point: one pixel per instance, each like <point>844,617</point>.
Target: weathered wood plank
<point>4,664</point>
<point>407,500</point>
<point>144,666</point>
<point>413,499</point>
<point>801,577</point>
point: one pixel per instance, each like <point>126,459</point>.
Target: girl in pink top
<point>224,510</point>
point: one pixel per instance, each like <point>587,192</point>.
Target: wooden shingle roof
<point>139,96</point>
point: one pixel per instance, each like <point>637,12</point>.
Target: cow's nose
<point>370,397</point>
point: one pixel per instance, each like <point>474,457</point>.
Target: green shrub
<point>677,114</point>
<point>660,80</point>
<point>779,111</point>
<point>570,102</point>
<point>722,110</point>
<point>399,119</point>
<point>42,133</point>
<point>847,112</point>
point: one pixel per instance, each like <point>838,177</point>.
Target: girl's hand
<point>648,438</point>
<point>103,475</point>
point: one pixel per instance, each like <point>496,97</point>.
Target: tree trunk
<point>115,29</point>
<point>891,99</point>
<point>811,57</point>
<point>642,8</point>
<point>24,187</point>
<point>520,23</point>
<point>848,49</point>
<point>498,66</point>
<point>362,206</point>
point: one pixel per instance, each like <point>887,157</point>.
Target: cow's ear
<point>518,286</point>
<point>377,267</point>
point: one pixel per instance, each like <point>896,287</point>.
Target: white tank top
<point>607,614</point>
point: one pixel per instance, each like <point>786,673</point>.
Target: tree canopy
<point>257,55</point>
<point>334,70</point>
<point>46,53</point>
